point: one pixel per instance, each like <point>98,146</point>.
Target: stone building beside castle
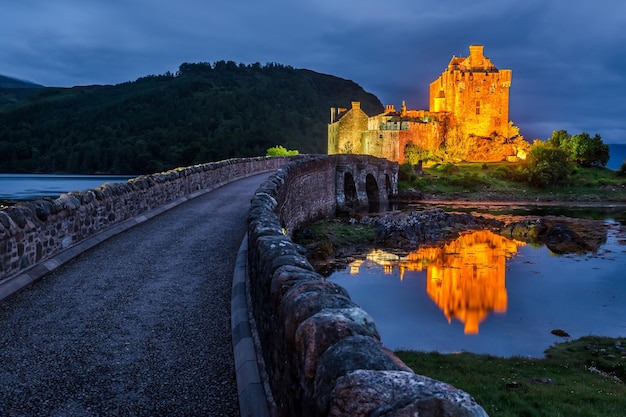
<point>468,119</point>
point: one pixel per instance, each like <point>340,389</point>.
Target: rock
<point>347,355</point>
<point>561,239</point>
<point>407,230</point>
<point>560,333</point>
<point>560,234</point>
<point>399,393</point>
<point>307,298</point>
<point>322,330</point>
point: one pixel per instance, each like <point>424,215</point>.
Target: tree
<point>547,166</point>
<point>582,149</point>
<point>280,150</point>
<point>559,138</point>
<point>589,152</point>
<point>414,154</point>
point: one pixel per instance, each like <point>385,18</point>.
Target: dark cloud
<point>567,58</point>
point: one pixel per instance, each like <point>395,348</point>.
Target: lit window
<point>478,107</point>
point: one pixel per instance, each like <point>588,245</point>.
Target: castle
<point>468,119</point>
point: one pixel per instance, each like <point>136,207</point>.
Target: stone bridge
<point>364,182</point>
<point>302,346</point>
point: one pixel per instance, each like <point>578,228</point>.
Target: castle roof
<point>476,61</point>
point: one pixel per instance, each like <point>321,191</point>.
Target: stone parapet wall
<point>31,232</point>
<point>321,352</point>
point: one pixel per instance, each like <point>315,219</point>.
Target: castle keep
<point>468,119</point>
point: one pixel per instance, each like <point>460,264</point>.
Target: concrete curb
<point>253,401</point>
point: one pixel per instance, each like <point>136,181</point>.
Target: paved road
<point>138,326</point>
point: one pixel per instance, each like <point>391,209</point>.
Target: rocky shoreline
<point>403,231</point>
<point>562,235</point>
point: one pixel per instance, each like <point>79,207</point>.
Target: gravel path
<point>138,326</point>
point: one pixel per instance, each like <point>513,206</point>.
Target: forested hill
<point>204,112</point>
<point>13,90</point>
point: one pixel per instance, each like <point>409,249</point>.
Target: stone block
<point>398,393</point>
<point>324,329</point>
<point>351,354</point>
<point>307,298</point>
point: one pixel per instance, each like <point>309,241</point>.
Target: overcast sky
<point>568,56</point>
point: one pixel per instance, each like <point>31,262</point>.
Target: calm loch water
<point>31,186</point>
<point>484,293</point>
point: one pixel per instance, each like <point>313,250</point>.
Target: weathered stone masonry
<point>321,351</point>
<point>32,232</point>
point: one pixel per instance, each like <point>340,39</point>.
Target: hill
<point>8,82</point>
<point>204,112</point>
<point>13,90</point>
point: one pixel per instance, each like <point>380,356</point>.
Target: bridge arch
<point>349,191</point>
<point>374,180</point>
<point>373,193</point>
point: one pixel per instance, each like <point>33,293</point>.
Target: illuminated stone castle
<point>468,119</point>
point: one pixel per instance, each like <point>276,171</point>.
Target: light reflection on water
<point>484,293</point>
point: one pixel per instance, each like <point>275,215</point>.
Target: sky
<point>568,57</point>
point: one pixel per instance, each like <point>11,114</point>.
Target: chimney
<point>476,51</point>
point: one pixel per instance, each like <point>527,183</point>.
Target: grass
<point>321,238</point>
<point>583,377</point>
<point>480,181</point>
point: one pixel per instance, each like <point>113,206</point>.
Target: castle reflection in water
<point>466,278</point>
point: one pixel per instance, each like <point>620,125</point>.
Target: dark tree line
<point>205,112</point>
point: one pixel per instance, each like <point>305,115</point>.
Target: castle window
<point>478,89</point>
<point>478,107</point>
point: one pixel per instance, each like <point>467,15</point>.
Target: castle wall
<point>381,144</point>
<point>344,135</point>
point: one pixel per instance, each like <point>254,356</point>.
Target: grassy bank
<point>583,377</point>
<point>497,182</point>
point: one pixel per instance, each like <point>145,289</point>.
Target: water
<point>617,156</point>
<point>30,186</point>
<point>487,294</point>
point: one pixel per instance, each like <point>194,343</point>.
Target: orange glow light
<point>465,278</point>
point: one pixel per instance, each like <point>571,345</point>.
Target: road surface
<point>137,326</point>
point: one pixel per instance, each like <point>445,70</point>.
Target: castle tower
<point>476,58</point>
<point>474,93</point>
<point>439,102</point>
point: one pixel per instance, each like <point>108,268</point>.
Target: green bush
<point>280,150</point>
<point>583,149</point>
<point>547,166</point>
<point>447,168</point>
<point>405,172</point>
<point>414,154</point>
